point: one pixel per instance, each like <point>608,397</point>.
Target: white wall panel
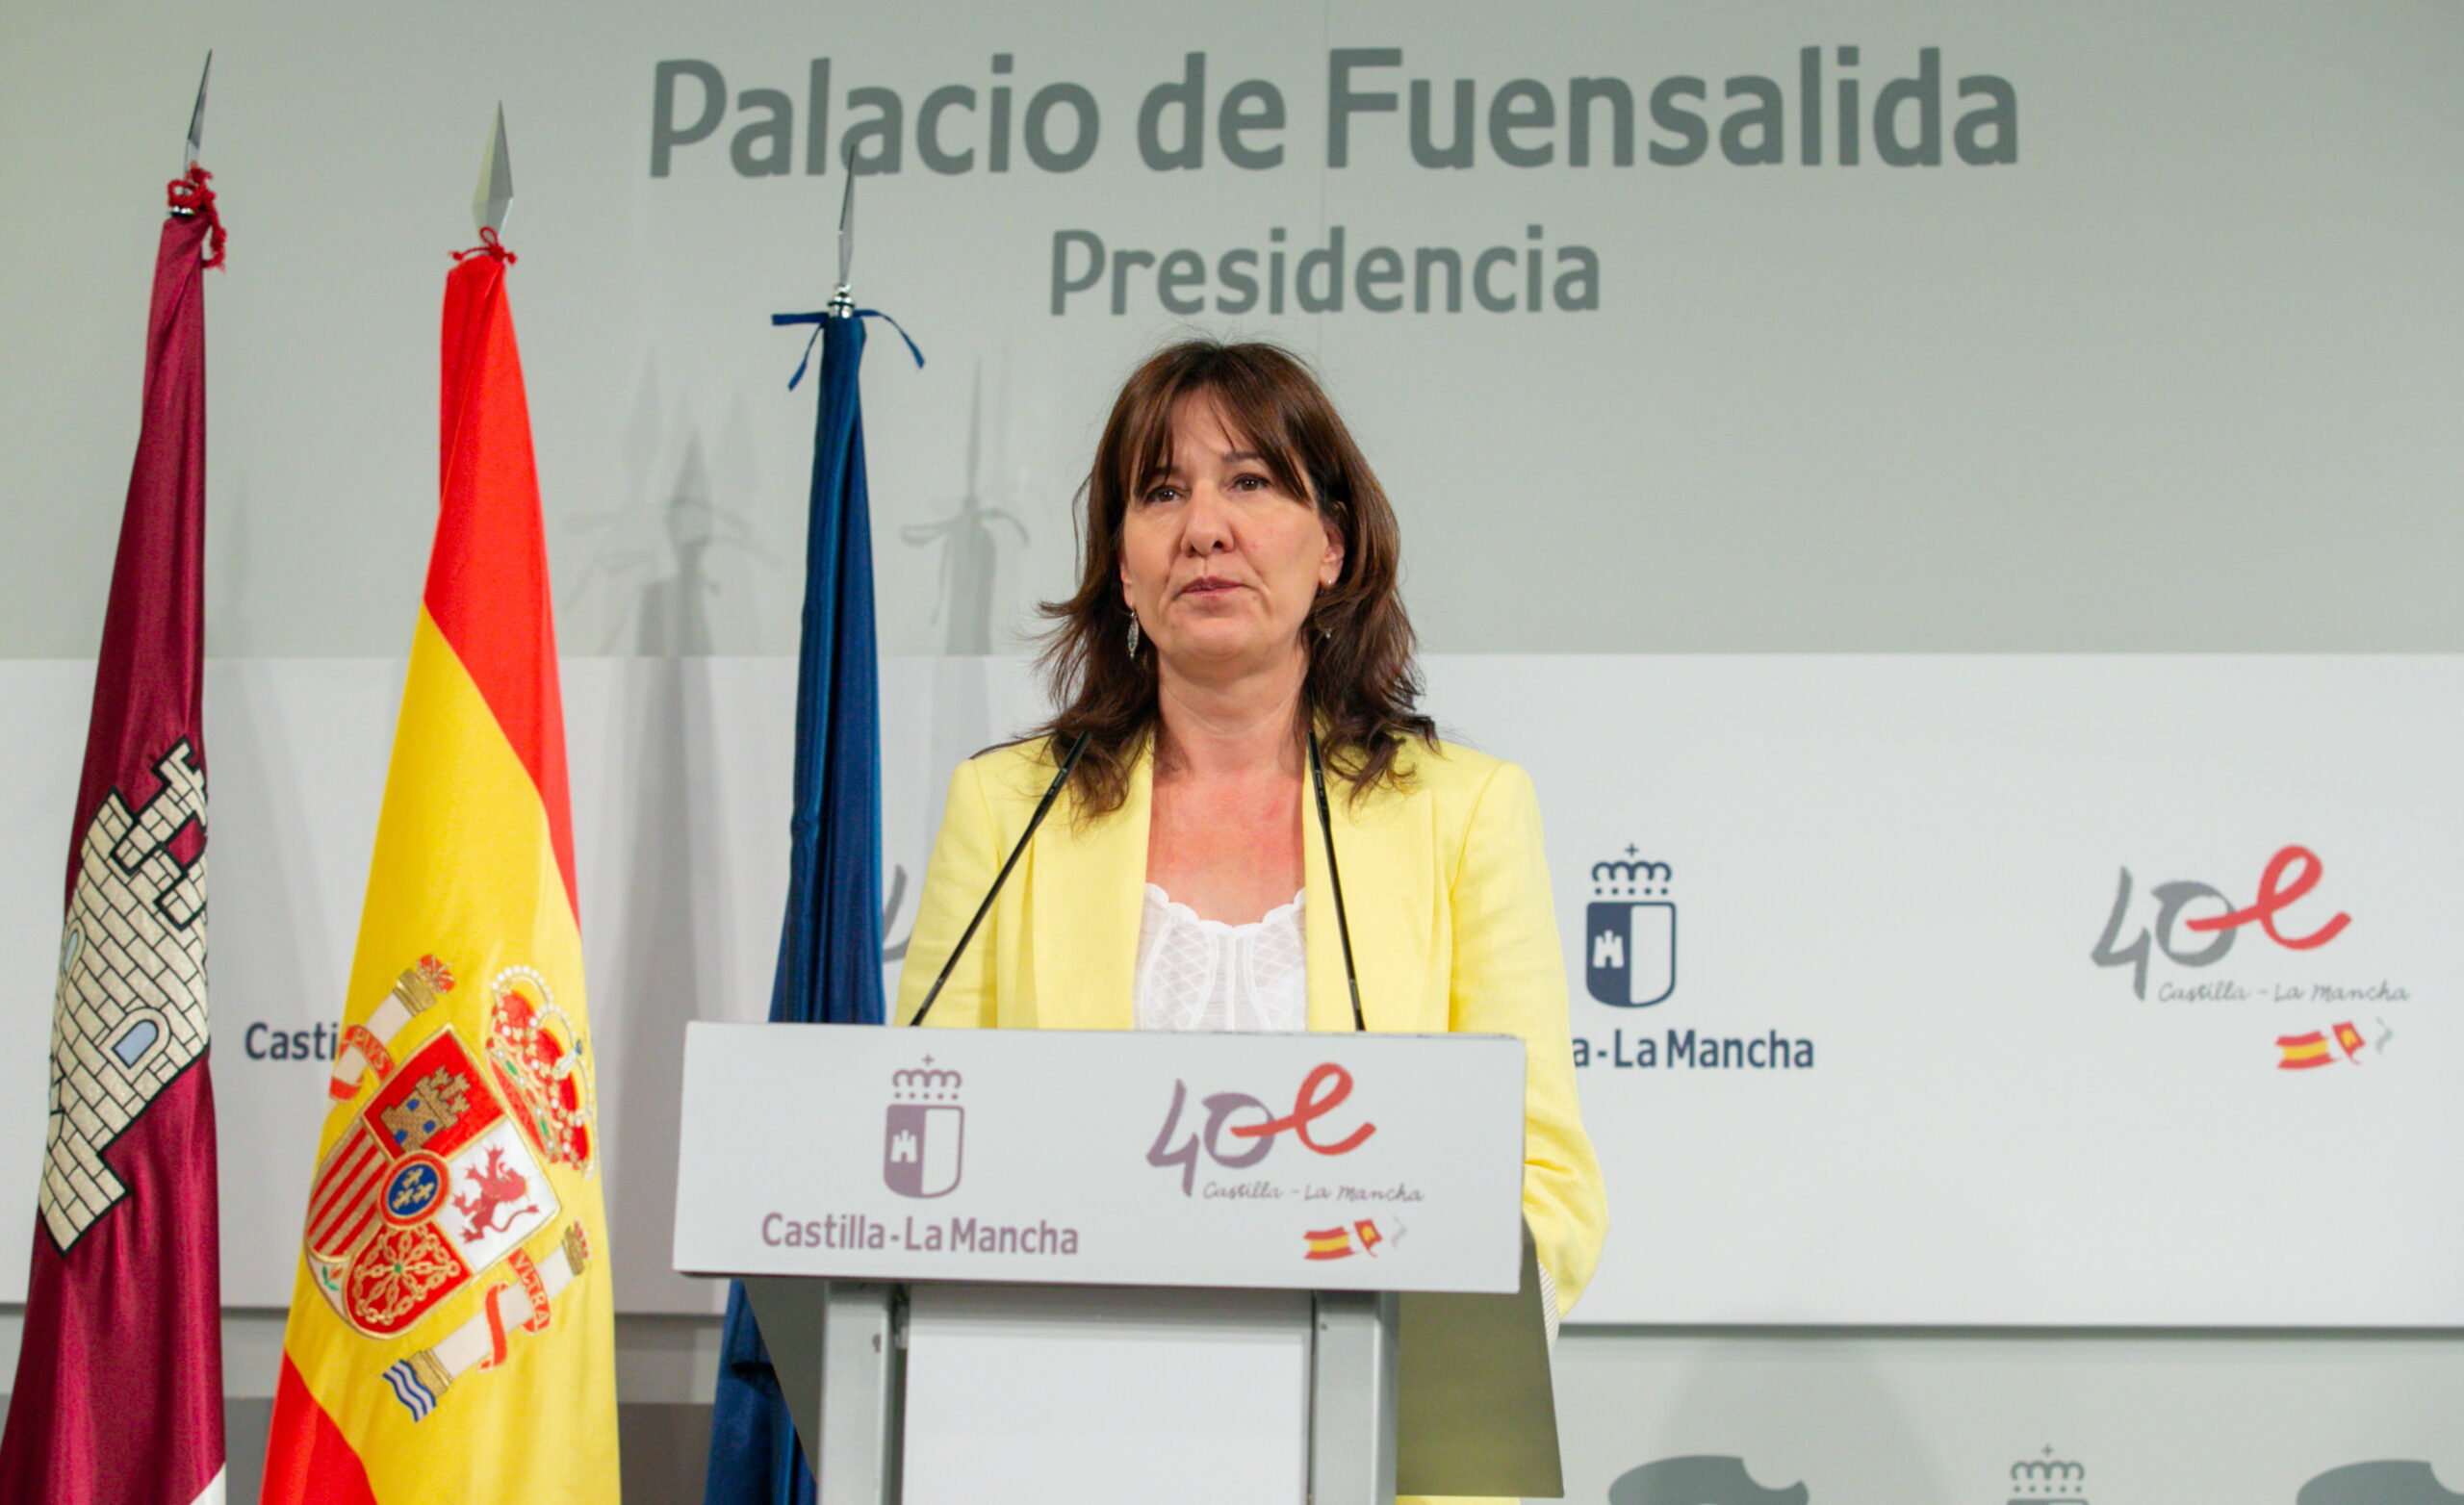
<point>1898,867</point>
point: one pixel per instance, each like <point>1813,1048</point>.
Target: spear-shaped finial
<point>843,302</point>
<point>495,180</point>
<point>196,116</point>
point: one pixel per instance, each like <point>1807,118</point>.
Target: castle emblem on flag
<point>130,1013</point>
<point>924,1133</point>
<point>439,1181</point>
<point>1630,932</point>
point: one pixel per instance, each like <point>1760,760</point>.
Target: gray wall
<point>2181,377</point>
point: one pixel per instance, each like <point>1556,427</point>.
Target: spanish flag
<point>2301,1051</point>
<point>1328,1243</point>
<point>452,1334</point>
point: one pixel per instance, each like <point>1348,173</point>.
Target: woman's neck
<point>1235,727</point>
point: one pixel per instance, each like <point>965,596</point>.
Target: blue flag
<point>830,948</point>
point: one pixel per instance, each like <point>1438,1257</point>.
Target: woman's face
<point>1220,563</point>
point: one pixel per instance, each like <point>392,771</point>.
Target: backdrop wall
<point>2178,375</point>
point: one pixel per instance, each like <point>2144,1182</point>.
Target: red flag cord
<point>190,196</point>
<point>489,245</point>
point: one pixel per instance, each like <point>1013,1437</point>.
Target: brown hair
<point>1362,686</point>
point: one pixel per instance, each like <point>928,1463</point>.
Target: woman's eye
<point>1250,482</point>
<point>1163,493</point>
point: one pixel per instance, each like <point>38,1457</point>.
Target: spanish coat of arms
<point>440,1182</point>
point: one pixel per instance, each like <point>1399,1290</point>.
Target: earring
<point>1133,635</point>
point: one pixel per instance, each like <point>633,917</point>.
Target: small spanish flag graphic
<point>2301,1051</point>
<point>2351,1039</point>
<point>1330,1243</point>
<point>1370,1237</point>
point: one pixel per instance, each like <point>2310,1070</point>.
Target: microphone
<point>1335,878</point>
<point>1069,764</point>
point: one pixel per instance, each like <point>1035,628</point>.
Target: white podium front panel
<point>1296,1161</point>
<point>1100,1397</point>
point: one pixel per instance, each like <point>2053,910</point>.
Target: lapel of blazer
<point>1089,889</point>
<point>1374,850</point>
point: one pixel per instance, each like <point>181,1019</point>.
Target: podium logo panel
<point>1101,1158</point>
<point>924,1132</point>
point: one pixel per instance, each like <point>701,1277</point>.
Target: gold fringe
<point>577,1249</point>
<point>430,1372</point>
<point>414,991</point>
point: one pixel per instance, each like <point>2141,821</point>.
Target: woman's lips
<point>1208,587</point>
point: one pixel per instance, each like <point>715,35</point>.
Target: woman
<point>1238,593</point>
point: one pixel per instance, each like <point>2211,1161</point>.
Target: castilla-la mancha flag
<point>452,1333</point>
<point>118,1395</point>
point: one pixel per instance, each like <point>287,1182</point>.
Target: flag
<point>1328,1243</point>
<point>2351,1039</point>
<point>1369,1239</point>
<point>451,1332</point>
<point>119,1394</point>
<point>829,945</point>
<point>2301,1051</point>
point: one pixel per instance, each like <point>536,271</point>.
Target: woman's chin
<point>1214,647</point>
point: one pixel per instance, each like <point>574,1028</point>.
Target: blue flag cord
<point>815,319</point>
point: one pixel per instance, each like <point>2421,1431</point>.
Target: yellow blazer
<point>1453,928</point>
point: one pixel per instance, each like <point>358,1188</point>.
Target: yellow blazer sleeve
<point>1510,979</point>
<point>965,856</point>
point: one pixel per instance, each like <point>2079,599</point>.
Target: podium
<point>1298,1260</point>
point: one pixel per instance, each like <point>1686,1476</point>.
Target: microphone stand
<point>1068,765</point>
<point>1335,878</point>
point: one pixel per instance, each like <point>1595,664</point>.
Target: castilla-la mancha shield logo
<point>1630,932</point>
<point>924,1133</point>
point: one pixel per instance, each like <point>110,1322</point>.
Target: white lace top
<point>1195,974</point>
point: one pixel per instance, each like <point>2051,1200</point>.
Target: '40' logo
<point>1320,1093</point>
<point>2276,892</point>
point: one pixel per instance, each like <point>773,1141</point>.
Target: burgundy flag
<point>118,1395</point>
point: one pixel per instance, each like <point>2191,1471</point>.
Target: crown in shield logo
<point>924,1132</point>
<point>2048,1481</point>
<point>1629,932</point>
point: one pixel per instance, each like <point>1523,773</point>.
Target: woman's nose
<point>1207,527</point>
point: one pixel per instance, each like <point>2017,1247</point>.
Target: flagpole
<point>842,304</point>
<point>494,195</point>
<point>197,125</point>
